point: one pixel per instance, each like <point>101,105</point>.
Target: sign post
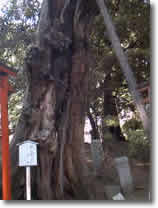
<point>28,158</point>
<point>28,183</point>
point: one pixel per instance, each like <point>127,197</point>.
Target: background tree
<point>134,41</point>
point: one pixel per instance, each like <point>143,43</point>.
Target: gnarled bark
<point>55,103</point>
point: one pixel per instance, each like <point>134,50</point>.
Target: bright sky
<point>3,2</point>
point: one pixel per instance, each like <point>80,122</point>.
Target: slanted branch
<point>126,69</point>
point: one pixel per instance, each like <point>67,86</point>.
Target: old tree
<point>56,98</point>
<point>55,101</point>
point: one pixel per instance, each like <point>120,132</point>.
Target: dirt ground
<point>107,174</point>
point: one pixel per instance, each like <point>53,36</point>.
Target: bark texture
<point>55,102</point>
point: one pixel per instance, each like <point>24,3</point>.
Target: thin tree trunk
<point>127,71</point>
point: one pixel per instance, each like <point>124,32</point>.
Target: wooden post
<point>6,188</point>
<point>28,183</point>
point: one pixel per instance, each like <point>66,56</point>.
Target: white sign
<point>28,153</point>
<point>118,196</point>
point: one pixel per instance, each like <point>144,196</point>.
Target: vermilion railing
<point>6,174</point>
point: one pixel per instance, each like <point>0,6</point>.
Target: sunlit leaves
<point>18,22</point>
<point>15,107</point>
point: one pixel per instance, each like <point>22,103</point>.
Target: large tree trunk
<point>55,103</point>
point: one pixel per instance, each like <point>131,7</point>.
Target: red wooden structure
<point>4,88</point>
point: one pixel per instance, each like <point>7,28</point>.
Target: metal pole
<point>6,182</point>
<point>28,183</point>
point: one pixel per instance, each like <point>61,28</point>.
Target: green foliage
<point>18,22</point>
<point>111,121</point>
<point>132,124</point>
<point>139,146</point>
<point>132,23</point>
